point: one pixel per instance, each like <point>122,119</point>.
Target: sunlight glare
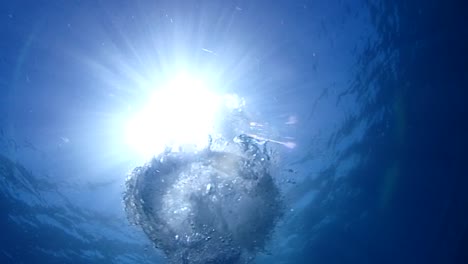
<point>182,113</point>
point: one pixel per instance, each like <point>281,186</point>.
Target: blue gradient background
<point>379,90</point>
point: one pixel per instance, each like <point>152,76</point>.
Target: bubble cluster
<point>215,206</point>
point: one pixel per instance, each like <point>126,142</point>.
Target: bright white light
<point>182,113</point>
<point>232,101</point>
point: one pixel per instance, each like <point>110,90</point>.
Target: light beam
<point>181,113</point>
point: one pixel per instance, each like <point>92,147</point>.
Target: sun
<point>180,113</point>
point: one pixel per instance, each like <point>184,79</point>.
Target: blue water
<point>372,93</point>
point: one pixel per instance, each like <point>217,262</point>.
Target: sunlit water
<point>359,103</point>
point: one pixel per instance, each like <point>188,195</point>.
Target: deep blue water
<point>375,92</point>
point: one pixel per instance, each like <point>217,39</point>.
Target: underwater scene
<point>237,132</point>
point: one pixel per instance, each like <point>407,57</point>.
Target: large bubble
<point>219,205</point>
